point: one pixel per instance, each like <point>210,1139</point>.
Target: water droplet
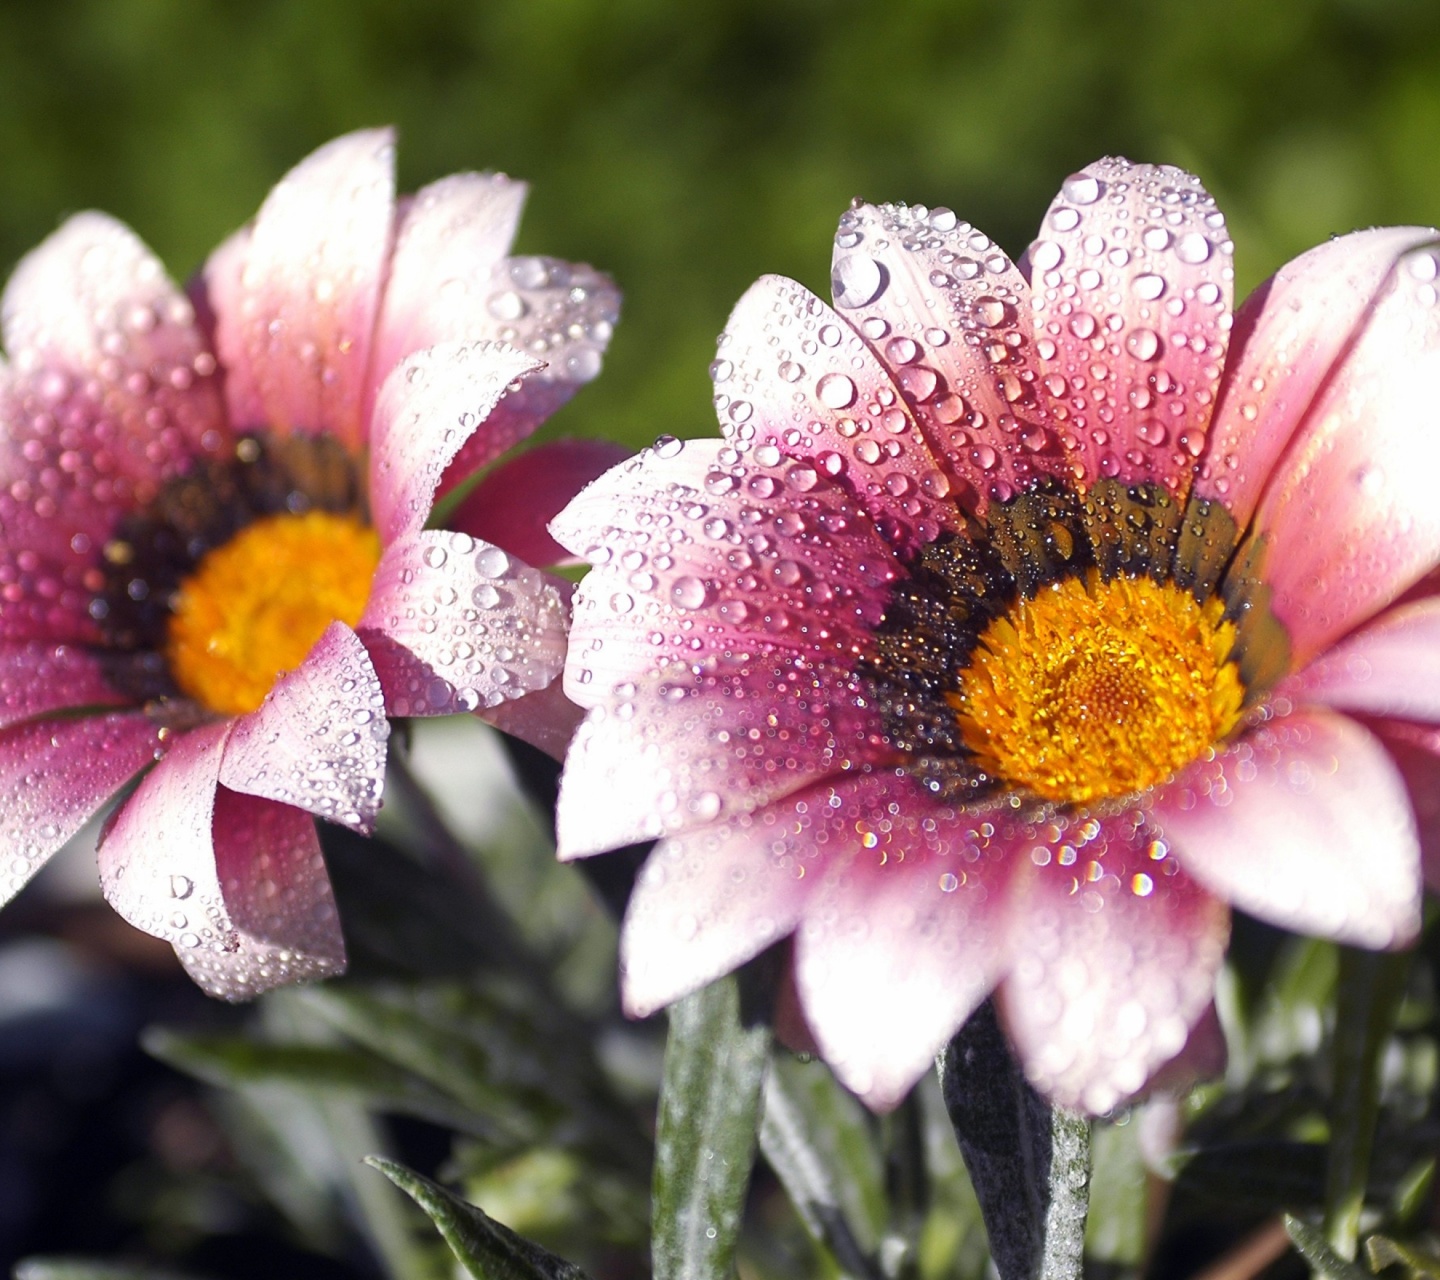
<point>507,305</point>
<point>1081,188</point>
<point>1143,344</point>
<point>836,391</point>
<point>1192,248</point>
<point>181,886</point>
<point>1045,255</point>
<point>1149,287</point>
<point>689,592</point>
<point>857,281</point>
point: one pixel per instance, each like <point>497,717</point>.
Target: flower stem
<point>1367,1002</point>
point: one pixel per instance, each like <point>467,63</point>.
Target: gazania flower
<point>1025,617</point>
<point>213,552</point>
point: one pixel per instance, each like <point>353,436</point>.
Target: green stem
<point>1367,1003</point>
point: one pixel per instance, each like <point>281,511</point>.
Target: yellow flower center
<point>1096,689</point>
<point>255,606</point>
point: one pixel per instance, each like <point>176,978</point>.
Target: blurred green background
<point>688,147</point>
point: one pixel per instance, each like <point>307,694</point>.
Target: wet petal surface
<point>1306,823</point>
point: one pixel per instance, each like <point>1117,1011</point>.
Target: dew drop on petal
<point>857,281</point>
<point>836,391</point>
<point>1081,188</point>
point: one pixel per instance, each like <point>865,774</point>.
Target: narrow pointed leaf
<point>1311,1245</point>
<point>486,1249</point>
<point>237,1062</point>
<point>822,1155</point>
<point>1382,1252</point>
<point>1029,1161</point>
<point>705,1139</point>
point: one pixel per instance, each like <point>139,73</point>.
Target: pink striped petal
<point>318,740</point>
<point>157,857</point>
<point>1288,336</point>
<point>1115,953</point>
<point>38,678</point>
<point>793,380</point>
<point>278,898</point>
<point>115,389</point>
<point>449,238</point>
<point>949,315</point>
<point>710,899</point>
<point>904,935</point>
<point>298,318</point>
<point>1415,751</point>
<point>54,776</point>
<point>701,559</point>
<point>546,719</point>
<point>514,503</point>
<point>109,392</point>
<point>454,624</point>
<point>562,312</point>
<point>428,407</point>
<point>218,287</point>
<point>664,755</point>
<point>1132,286</point>
<point>1306,823</point>
<point>1350,517</point>
<point>1391,668</point>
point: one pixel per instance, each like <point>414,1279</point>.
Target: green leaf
<point>1382,1252</point>
<point>1119,1205</point>
<point>705,1139</point>
<point>817,1142</point>
<point>1029,1161</point>
<point>1311,1245</point>
<point>1367,1003</point>
<point>237,1062</point>
<point>527,1069</point>
<point>488,1250</point>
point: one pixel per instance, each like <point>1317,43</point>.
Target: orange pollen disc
<point>1098,689</point>
<point>255,606</point>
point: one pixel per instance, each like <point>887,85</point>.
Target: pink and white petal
<point>454,624</point>
<point>700,559</point>
<point>712,898</point>
<point>546,719</point>
<point>795,381</point>
<point>1304,822</point>
<point>1288,336</point>
<point>949,315</point>
<point>429,406</point>
<point>54,776</point>
<point>116,388</point>
<point>448,239</point>
<point>37,678</point>
<point>1391,668</point>
<point>278,898</point>
<point>1132,286</point>
<point>1114,955</point>
<point>157,857</point>
<point>564,313</point>
<point>217,291</point>
<point>301,323</point>
<point>514,503</point>
<point>318,740</point>
<point>905,933</point>
<point>1415,750</point>
<point>666,754</point>
<point>1350,518</point>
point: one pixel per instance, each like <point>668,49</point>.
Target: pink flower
<point>1013,630</point>
<point>213,552</point>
